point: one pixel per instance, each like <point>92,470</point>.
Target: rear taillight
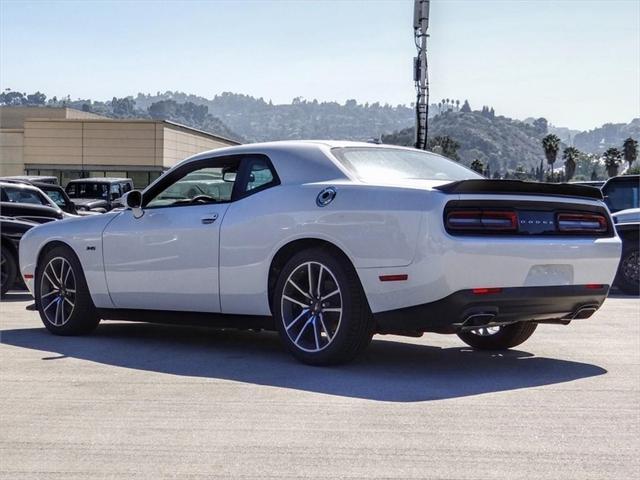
<point>482,220</point>
<point>581,223</point>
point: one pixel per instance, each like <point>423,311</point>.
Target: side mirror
<point>133,201</point>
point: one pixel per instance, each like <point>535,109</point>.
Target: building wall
<point>180,144</point>
<point>72,144</point>
<point>11,152</point>
<point>99,143</point>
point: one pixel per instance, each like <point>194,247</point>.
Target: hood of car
<point>89,202</point>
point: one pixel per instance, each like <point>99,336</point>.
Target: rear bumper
<point>465,309</point>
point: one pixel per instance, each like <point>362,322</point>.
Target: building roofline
<point>138,120</point>
<point>185,127</point>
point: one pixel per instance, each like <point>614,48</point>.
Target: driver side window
<point>198,186</point>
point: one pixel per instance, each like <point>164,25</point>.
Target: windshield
<point>88,190</point>
<point>372,164</point>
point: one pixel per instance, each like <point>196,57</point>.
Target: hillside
<point>259,120</point>
<point>501,143</point>
<point>609,135</point>
<point>497,141</point>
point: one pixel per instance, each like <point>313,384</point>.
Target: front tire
<point>320,309</point>
<point>8,270</point>
<point>62,295</point>
<point>627,278</point>
<point>498,338</point>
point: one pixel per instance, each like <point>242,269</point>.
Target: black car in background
<point>26,202</point>
<point>622,193</point>
<point>98,193</point>
<point>11,231</point>
<point>55,193</point>
<point>622,196</point>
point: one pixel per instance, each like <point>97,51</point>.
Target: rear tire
<point>9,270</point>
<point>62,296</point>
<point>326,322</point>
<point>507,336</point>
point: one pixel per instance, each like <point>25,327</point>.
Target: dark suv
<point>98,193</point>
<point>622,196</point>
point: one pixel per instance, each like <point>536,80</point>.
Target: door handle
<point>210,219</point>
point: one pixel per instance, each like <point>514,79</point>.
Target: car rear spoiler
<point>515,187</point>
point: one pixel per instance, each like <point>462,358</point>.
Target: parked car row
<point>26,201</point>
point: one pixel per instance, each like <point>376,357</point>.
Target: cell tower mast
<point>420,76</point>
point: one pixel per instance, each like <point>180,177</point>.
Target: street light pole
<point>420,76</point>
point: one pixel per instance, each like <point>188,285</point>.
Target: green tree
<point>630,150</point>
<point>445,145</point>
<point>551,145</point>
<point>123,107</point>
<point>541,125</point>
<point>37,98</point>
<point>466,108</point>
<point>612,161</point>
<point>570,156</point>
<point>477,166</point>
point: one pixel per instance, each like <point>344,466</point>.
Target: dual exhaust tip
<point>490,319</point>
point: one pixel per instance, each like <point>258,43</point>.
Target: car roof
<point>319,164</point>
<point>45,185</point>
<point>100,180</point>
<point>26,186</point>
<point>30,177</point>
<point>624,178</point>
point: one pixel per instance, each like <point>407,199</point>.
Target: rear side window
<point>260,174</point>
<point>57,197</point>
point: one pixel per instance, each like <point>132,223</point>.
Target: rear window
<point>622,195</point>
<point>88,190</point>
<point>388,164</point>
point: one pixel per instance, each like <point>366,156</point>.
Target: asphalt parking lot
<point>138,400</point>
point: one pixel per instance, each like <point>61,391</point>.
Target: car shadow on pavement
<point>16,297</point>
<point>388,371</point>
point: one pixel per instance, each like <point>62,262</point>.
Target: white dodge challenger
<point>330,243</point>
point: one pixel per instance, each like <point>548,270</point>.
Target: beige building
<point>72,144</point>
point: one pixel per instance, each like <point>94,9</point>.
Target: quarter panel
<point>373,226</point>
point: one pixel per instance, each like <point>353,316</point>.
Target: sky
<point>575,62</point>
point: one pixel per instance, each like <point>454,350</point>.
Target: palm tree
<point>570,155</point>
<point>612,161</point>
<point>551,145</point>
<point>630,150</point>
<point>458,105</point>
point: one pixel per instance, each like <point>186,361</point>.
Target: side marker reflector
<point>28,276</point>
<point>594,286</point>
<point>486,291</point>
<point>393,278</point>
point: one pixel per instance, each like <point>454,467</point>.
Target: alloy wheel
<point>311,306</point>
<point>58,291</point>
